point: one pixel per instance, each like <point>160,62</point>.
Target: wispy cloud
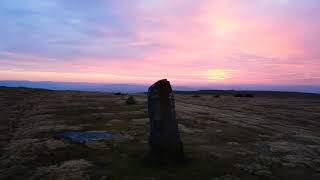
<point>245,41</point>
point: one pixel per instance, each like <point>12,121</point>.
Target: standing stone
<point>164,139</point>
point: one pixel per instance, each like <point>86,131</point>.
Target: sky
<point>189,42</point>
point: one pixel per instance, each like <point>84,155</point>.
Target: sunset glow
<point>189,42</point>
<point>218,74</point>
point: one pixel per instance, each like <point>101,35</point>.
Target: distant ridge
<point>105,87</point>
<point>80,86</point>
<point>274,94</point>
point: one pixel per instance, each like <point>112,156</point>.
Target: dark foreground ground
<point>225,138</point>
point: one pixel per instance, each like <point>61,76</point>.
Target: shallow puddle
<point>84,136</point>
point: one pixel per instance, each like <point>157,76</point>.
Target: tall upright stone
<point>164,139</point>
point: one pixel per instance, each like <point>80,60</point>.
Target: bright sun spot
<point>217,74</point>
<point>223,27</point>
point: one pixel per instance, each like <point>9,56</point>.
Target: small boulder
<point>131,100</point>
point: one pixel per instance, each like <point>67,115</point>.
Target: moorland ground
<point>268,136</point>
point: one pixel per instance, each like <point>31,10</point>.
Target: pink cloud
<point>245,41</point>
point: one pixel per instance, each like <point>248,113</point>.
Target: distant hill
<point>275,94</point>
<point>78,86</point>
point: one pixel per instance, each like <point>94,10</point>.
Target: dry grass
<point>68,170</point>
<point>263,137</point>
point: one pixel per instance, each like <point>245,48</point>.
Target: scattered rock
<point>131,100</point>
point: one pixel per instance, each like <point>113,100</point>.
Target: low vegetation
<point>265,137</point>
